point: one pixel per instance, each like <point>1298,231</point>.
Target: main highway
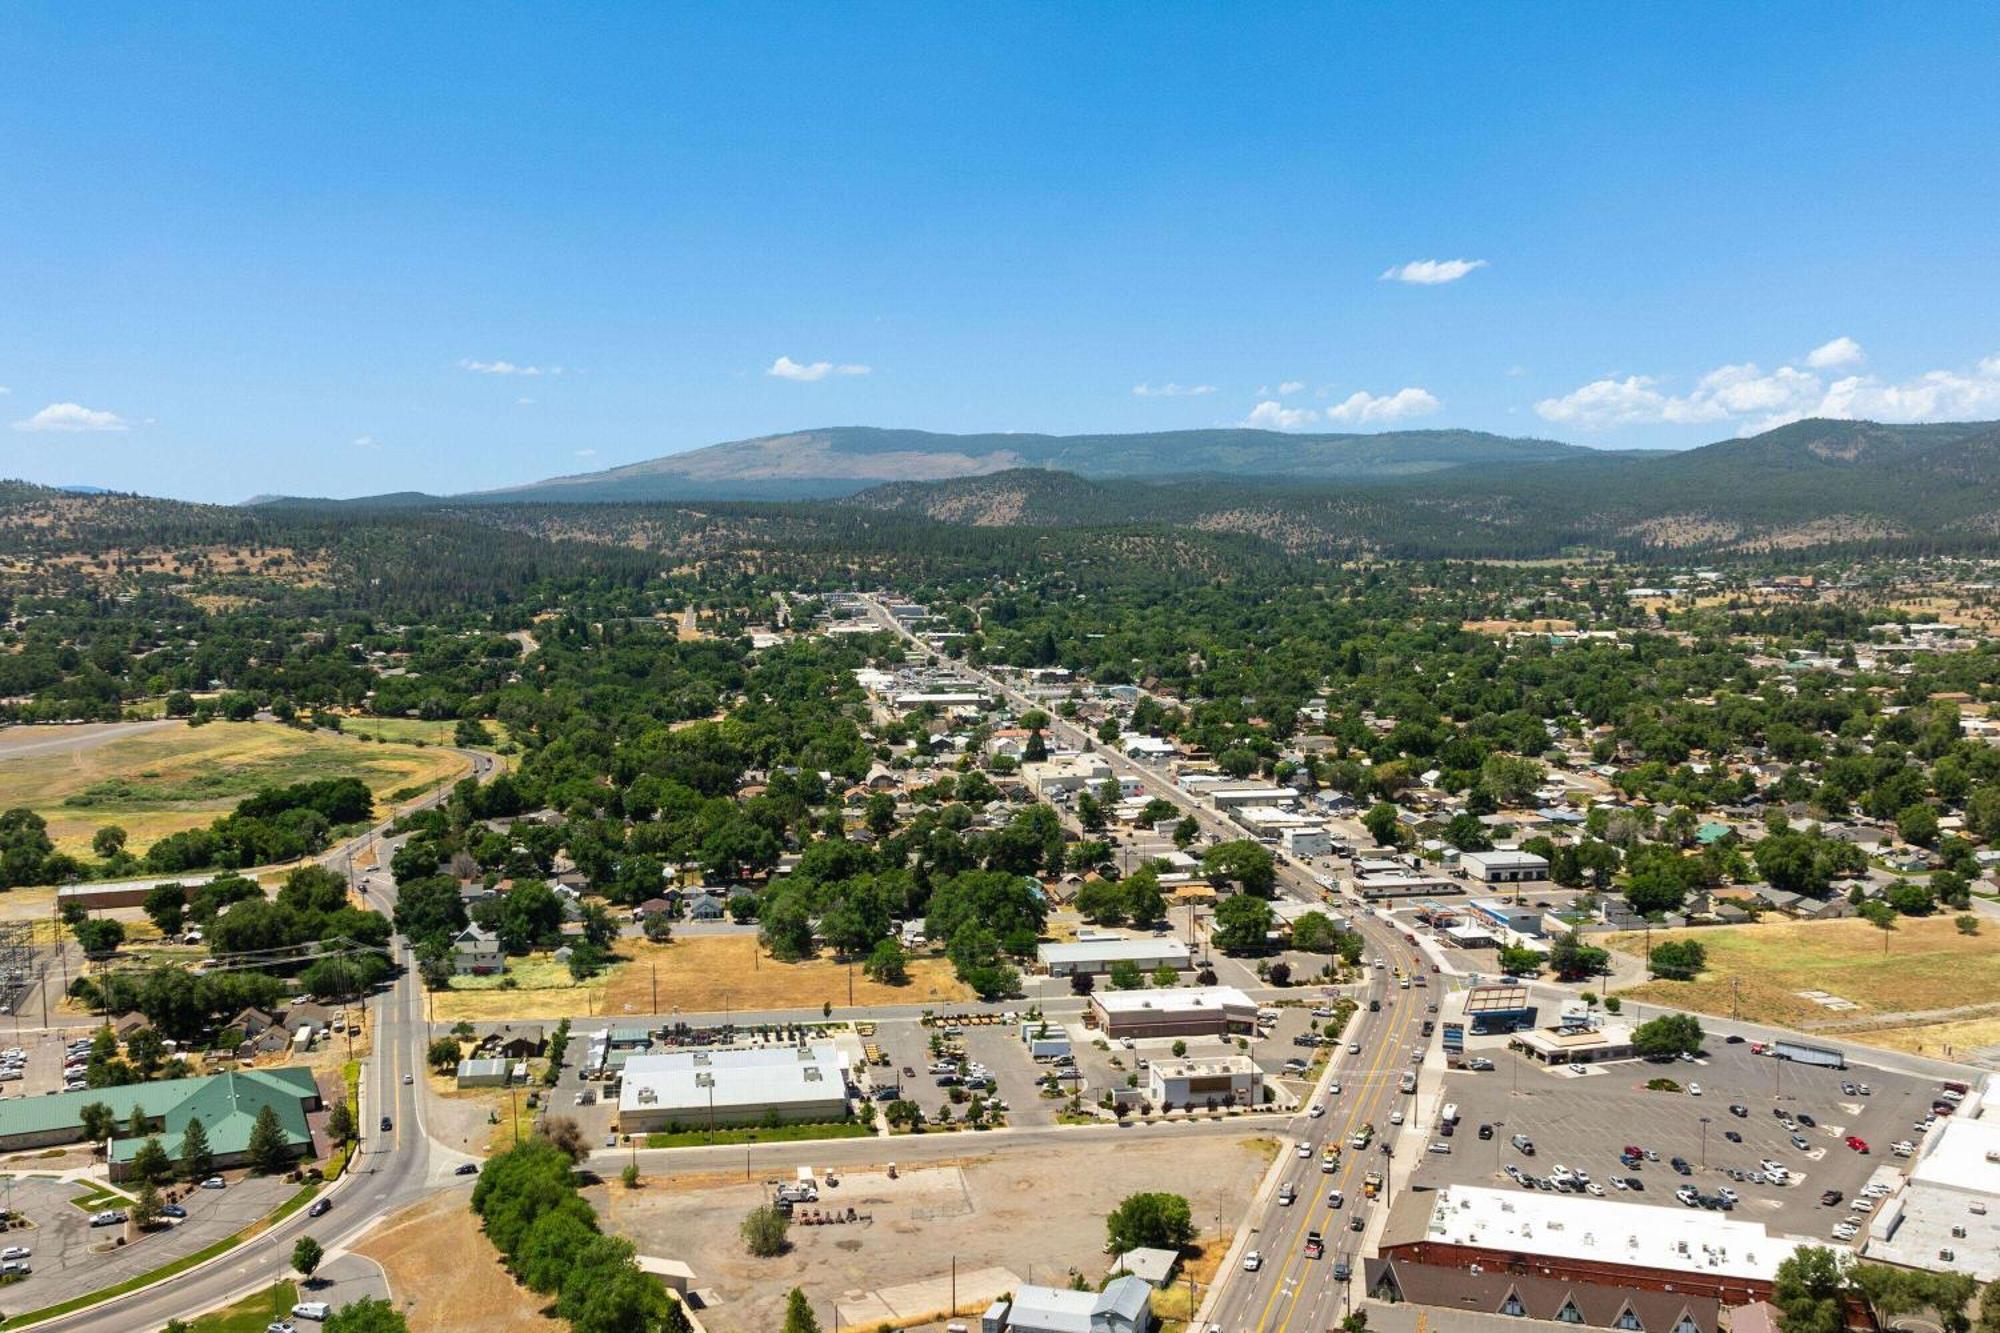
<point>1290,1290</point>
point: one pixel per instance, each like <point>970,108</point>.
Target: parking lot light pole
<point>1704,1143</point>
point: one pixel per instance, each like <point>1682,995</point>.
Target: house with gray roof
<point>1124,1306</point>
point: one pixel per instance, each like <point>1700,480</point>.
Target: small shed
<point>482,1073</point>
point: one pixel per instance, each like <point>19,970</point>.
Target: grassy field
<point>446,1275</point>
<point>251,1315</point>
<point>157,782</point>
<point>698,974</point>
<point>1928,965</point>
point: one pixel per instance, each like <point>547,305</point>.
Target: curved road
<point>391,1169</point>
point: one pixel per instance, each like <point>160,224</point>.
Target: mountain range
<point>1809,484</point>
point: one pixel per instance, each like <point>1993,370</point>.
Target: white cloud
<point>506,368</point>
<point>1290,387</point>
<point>4,391</point>
<point>1756,400</point>
<point>1274,415</point>
<point>1365,407</point>
<point>1171,390</point>
<point>1432,272</point>
<point>1836,355</point>
<point>72,417</point>
<point>367,442</point>
<point>785,368</point>
<point>524,402</point>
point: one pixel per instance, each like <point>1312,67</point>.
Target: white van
<point>1450,1116</point>
<point>311,1310</point>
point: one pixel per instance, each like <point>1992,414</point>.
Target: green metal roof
<point>226,1103</point>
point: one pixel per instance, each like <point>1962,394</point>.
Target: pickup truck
<point>1315,1247</point>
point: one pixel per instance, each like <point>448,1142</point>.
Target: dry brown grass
<point>1928,965</point>
<point>163,781</point>
<point>703,974</point>
<point>445,1276</point>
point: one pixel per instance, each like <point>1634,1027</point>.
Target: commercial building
<point>1096,954</point>
<point>1577,1045</point>
<point>1310,840</point>
<point>1124,1306</point>
<point>1601,1243</point>
<point>1403,884</point>
<point>1554,1300</point>
<point>1948,1214</point>
<point>1216,1080</point>
<point>226,1104</point>
<point>1197,1011</point>
<point>807,1082</point>
<point>1072,773</point>
<point>1504,867</point>
<point>1518,919</point>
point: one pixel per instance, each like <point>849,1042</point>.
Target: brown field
<point>1928,966</point>
<point>699,974</point>
<point>445,1276</point>
<point>163,780</point>
<point>1500,627</point>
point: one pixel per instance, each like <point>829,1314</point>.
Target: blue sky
<point>275,248</point>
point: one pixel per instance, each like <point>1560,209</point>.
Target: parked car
<point>213,1183</point>
<point>173,1210</point>
<point>467,1169</point>
<point>1739,1110</point>
<point>311,1310</point>
<point>16,1252</point>
<point>1830,1198</point>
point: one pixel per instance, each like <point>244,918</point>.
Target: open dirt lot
<point>1929,965</point>
<point>1036,1213</point>
<point>698,974</point>
<point>446,1276</point>
<point>153,779</point>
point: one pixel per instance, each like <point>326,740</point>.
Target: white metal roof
<point>1965,1157</point>
<point>1173,1000</point>
<point>765,1076</point>
<point>1113,949</point>
<point>1608,1231</point>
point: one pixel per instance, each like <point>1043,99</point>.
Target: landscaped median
<point>165,1271</point>
<point>741,1134</point>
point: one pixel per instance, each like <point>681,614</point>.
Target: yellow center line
<point>1363,1107</point>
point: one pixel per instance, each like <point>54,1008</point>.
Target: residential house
<point>476,952</point>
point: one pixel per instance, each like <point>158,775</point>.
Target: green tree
<point>166,905</point>
<point>1242,924</point>
<point>1150,1220</point>
<point>1668,1035</point>
<point>888,964</point>
<point>442,1054</point>
<point>676,1320</point>
<point>1314,932</point>
<point>1918,824</point>
<point>108,841</point>
<point>340,1125</point>
<point>99,1122</point>
<point>1573,959</point>
<point>269,1153</point>
<point>197,1161</point>
<point>1186,832</point>
<point>1125,975</point>
<point>306,1257</point>
<point>1518,962</point>
<point>145,1209</point>
<point>1677,960</point>
<point>1382,824</point>
<point>763,1230</point>
<point>150,1162</point>
<point>1245,863</point>
<point>798,1313</point>
<point>1807,1291</point>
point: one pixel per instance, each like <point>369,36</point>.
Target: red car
<point>1858,1144</point>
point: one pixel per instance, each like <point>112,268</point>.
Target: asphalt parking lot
<point>41,1062</point>
<point>1582,1121</point>
<point>71,1257</point>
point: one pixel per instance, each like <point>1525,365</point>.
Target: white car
<point>1618,1183</point>
<point>1252,1262</point>
<point>1333,1088</point>
<point>1694,1089</point>
<point>1317,1110</point>
<point>311,1310</point>
<point>16,1252</point>
<point>1594,1188</point>
<point>406,1080</point>
<point>1395,1117</point>
<point>1305,1150</point>
<point>1861,1206</point>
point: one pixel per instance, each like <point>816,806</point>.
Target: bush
<point>763,1230</point>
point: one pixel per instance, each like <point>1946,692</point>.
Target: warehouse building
<point>1196,1011</point>
<point>1504,867</point>
<point>1096,954</point>
<point>1215,1080</point>
<point>1124,1306</point>
<point>803,1083</point>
